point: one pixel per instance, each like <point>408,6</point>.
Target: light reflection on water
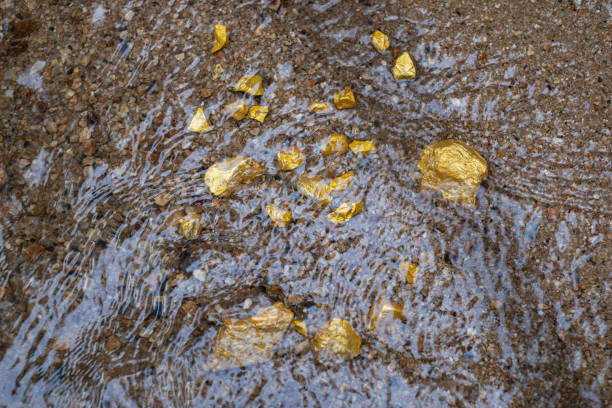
<point>505,296</point>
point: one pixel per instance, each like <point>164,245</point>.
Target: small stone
<point>88,147</point>
<point>180,57</point>
<point>247,304</point>
<point>3,176</point>
<point>112,343</point>
<point>163,199</point>
<point>51,126</point>
<point>206,93</point>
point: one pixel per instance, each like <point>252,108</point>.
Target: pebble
<point>3,176</point>
<point>163,199</point>
<point>247,304</point>
<point>112,343</point>
<point>200,274</point>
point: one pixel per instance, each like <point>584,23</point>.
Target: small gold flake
<point>199,123</point>
<point>258,113</point>
<point>345,211</point>
<point>300,327</point>
<point>344,99</point>
<point>454,169</point>
<point>319,107</point>
<point>362,146</point>
<point>290,157</point>
<point>336,143</point>
<point>404,68</point>
<point>315,187</point>
<point>237,109</point>
<point>218,70</point>
<point>250,84</point>
<point>341,182</point>
<point>410,269</point>
<point>281,217</point>
<point>338,338</point>
<point>220,34</point>
<point>379,40</point>
<point>190,227</point>
<point>225,177</point>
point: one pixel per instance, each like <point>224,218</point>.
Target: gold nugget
<point>337,338</point>
<point>344,99</point>
<point>345,211</point>
<point>250,341</point>
<point>383,313</point>
<point>250,84</point>
<point>315,187</point>
<point>258,113</point>
<point>281,217</point>
<point>290,157</point>
<point>190,227</point>
<point>336,143</point>
<point>225,177</point>
<point>379,40</point>
<point>237,110</point>
<point>199,123</point>
<point>404,68</point>
<point>319,107</point>
<point>300,327</point>
<point>454,169</point>
<point>362,146</point>
<point>220,34</point>
<point>341,182</point>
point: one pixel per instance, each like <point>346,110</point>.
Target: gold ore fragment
<point>454,169</point>
<point>362,146</point>
<point>319,107</point>
<point>341,182</point>
<point>217,71</point>
<point>315,187</point>
<point>190,227</point>
<point>338,338</point>
<point>300,327</point>
<point>220,34</point>
<point>336,143</point>
<point>344,99</point>
<point>225,177</point>
<point>258,113</point>
<point>237,109</point>
<point>250,84</point>
<point>290,157</point>
<point>404,68</point>
<point>345,211</point>
<point>379,40</point>
<point>281,217</point>
<point>383,313</point>
<point>199,123</point>
<point>250,341</point>
<point>411,271</point>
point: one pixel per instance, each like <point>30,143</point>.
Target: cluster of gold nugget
<point>449,166</point>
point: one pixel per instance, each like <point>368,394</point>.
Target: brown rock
<point>3,176</point>
<point>112,343</point>
<point>21,29</point>
<point>163,199</point>
<point>34,250</point>
<point>552,213</point>
<point>89,147</point>
<point>206,93</point>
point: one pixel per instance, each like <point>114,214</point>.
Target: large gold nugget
<point>243,342</point>
<point>315,187</point>
<point>225,177</point>
<point>220,34</point>
<point>258,113</point>
<point>280,216</point>
<point>336,143</point>
<point>379,40</point>
<point>362,146</point>
<point>454,169</point>
<point>341,182</point>
<point>346,211</point>
<point>290,157</point>
<point>338,338</point>
<point>404,68</point>
<point>344,99</point>
<point>319,107</point>
<point>250,84</point>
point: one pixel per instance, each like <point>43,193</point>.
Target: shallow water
<point>100,304</point>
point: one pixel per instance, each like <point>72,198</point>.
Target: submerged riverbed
<point>108,299</point>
